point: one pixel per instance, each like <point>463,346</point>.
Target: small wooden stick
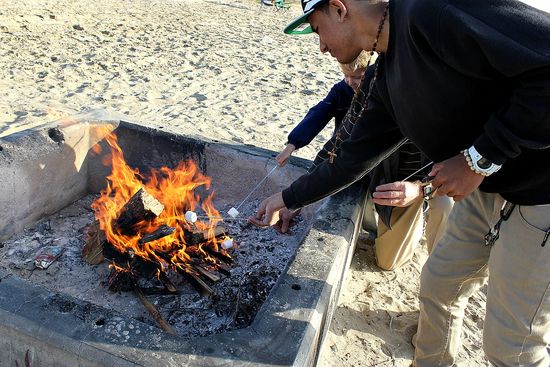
<point>154,312</point>
<point>199,284</point>
<point>170,287</point>
<point>208,274</point>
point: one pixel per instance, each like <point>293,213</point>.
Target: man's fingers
<point>458,197</point>
<point>388,202</point>
<point>392,186</point>
<point>261,210</point>
<point>285,223</point>
<point>435,170</point>
<point>387,194</point>
<point>257,222</point>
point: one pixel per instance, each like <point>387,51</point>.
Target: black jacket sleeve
<point>509,43</point>
<point>374,137</point>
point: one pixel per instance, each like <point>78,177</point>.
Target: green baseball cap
<point>300,25</point>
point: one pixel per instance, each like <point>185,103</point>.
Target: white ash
<point>260,256</point>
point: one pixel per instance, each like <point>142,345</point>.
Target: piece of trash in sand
<point>46,256</point>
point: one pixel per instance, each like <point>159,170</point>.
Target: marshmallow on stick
<point>190,216</point>
<point>227,244</point>
<point>233,213</point>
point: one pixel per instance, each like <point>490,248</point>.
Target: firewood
<point>121,280</point>
<point>170,287</point>
<point>142,206</point>
<point>159,233</point>
<point>154,312</point>
<point>92,251</point>
<point>218,254</point>
<point>197,237</point>
<point>206,273</point>
<point>199,284</point>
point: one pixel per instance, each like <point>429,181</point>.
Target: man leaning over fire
<point>468,82</point>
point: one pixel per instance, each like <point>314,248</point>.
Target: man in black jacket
<point>479,106</point>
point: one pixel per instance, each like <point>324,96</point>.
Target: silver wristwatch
<point>478,163</point>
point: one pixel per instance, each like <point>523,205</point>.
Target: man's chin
<point>346,59</point>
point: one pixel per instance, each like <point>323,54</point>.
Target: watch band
<point>473,157</point>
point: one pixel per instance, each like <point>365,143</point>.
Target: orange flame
<point>174,188</point>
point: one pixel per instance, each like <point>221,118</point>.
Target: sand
<point>218,69</point>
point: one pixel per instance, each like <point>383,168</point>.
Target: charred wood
<point>218,254</point>
<point>142,206</point>
<point>168,285</point>
<point>198,237</point>
<point>159,233</point>
<point>92,251</point>
<point>199,284</point>
<point>206,273</point>
<point>121,280</point>
<point>154,312</point>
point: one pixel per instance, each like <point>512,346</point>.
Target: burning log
<point>218,254</point>
<point>92,251</point>
<point>154,312</point>
<point>142,206</point>
<point>159,233</point>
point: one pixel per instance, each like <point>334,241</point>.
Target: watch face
<point>484,163</point>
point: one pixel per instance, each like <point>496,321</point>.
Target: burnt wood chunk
<point>121,280</point>
<point>197,237</point>
<point>159,233</point>
<point>168,285</point>
<point>92,251</point>
<point>206,273</point>
<point>199,284</point>
<point>142,206</point>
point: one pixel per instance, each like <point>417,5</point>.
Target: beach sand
<point>217,69</point>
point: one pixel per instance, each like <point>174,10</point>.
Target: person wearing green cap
<point>468,82</point>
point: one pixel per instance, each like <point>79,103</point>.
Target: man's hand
<point>455,178</point>
<point>282,158</point>
<point>268,212</point>
<point>285,219</point>
<point>400,193</point>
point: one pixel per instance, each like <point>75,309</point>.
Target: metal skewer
<point>256,187</point>
<point>415,172</point>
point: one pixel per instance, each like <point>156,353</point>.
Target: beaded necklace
<point>345,129</point>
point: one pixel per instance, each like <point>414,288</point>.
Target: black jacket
<point>456,73</point>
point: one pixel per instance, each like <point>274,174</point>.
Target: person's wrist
<point>425,190</point>
<point>478,164</point>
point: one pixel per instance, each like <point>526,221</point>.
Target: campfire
<point>148,228</point>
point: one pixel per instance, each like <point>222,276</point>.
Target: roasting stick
<point>415,172</point>
<point>234,212</point>
<point>192,217</point>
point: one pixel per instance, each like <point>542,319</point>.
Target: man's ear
<point>340,8</point>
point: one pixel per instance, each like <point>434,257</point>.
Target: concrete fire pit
<point>47,169</point>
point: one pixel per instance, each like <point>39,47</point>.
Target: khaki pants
<point>517,323</point>
<point>395,247</point>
